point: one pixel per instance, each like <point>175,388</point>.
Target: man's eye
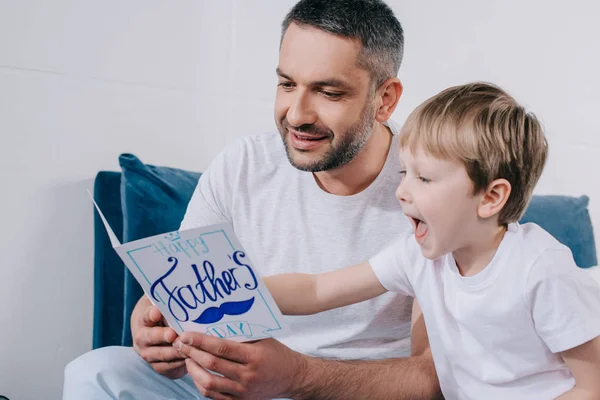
<point>286,85</point>
<point>331,95</point>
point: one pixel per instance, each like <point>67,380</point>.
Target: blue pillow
<point>568,220</point>
<point>108,267</point>
<point>154,200</point>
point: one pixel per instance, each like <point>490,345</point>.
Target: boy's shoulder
<point>536,249</point>
<point>535,238</point>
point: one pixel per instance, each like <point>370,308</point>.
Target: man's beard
<point>341,153</point>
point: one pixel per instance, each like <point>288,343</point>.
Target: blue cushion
<point>568,220</point>
<point>108,267</point>
<point>154,200</point>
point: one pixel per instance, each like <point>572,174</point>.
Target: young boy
<point>508,313</point>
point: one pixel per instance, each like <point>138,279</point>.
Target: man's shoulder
<point>252,153</point>
<point>263,147</point>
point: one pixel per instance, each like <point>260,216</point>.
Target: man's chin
<point>304,164</point>
<point>302,159</point>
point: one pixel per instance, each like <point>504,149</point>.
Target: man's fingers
<point>229,369</point>
<point>211,385</point>
<point>155,336</point>
<point>152,316</point>
<point>173,369</point>
<point>221,348</point>
<point>160,353</point>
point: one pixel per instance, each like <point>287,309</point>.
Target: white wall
<point>174,81</point>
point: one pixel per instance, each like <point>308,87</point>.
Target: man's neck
<point>358,174</point>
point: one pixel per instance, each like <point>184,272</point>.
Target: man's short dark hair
<point>372,22</point>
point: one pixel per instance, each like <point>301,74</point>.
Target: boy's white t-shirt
<point>497,335</point>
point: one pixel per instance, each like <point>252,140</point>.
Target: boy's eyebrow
<point>331,82</point>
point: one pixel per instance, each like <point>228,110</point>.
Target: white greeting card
<point>202,280</point>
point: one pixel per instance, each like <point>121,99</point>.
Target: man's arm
<point>268,369</point>
<point>304,294</point>
<point>409,378</point>
<point>584,363</point>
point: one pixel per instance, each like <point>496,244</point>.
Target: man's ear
<point>494,198</point>
<point>388,95</point>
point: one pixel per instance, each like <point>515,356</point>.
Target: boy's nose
<point>402,193</point>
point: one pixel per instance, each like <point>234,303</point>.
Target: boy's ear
<point>494,198</point>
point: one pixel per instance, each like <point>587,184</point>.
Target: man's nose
<point>301,111</point>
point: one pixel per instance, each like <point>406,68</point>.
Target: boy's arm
<point>303,294</point>
<point>584,363</point>
<point>564,305</point>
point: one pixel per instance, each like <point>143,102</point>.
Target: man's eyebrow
<point>282,74</point>
<point>332,82</point>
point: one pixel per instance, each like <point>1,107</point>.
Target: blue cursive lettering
<point>210,287</point>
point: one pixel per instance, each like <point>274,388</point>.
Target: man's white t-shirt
<point>287,223</point>
<point>497,335</point>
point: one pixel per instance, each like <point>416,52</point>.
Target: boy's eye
<point>424,180</point>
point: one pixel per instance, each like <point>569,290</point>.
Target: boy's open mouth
<point>420,227</point>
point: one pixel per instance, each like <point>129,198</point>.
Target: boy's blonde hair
<point>486,130</point>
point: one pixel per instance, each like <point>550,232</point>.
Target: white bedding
<point>595,272</point>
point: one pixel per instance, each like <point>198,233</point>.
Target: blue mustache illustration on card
<point>215,314</point>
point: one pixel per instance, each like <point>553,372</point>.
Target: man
<point>323,199</point>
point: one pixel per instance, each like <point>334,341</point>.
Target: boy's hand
<point>152,340</point>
